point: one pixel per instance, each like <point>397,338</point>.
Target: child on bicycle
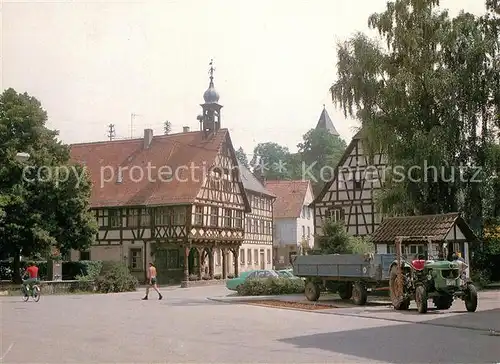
<point>32,272</point>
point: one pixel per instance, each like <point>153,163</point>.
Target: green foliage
<point>272,157</point>
<point>319,149</point>
<point>430,98</point>
<point>167,127</point>
<point>336,240</point>
<point>117,278</point>
<point>271,286</point>
<point>38,213</point>
<point>360,245</point>
<point>242,157</point>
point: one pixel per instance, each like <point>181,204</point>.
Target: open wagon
<point>350,275</point>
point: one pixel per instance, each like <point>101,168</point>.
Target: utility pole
<point>111,131</point>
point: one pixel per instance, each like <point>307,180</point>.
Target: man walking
<point>152,282</point>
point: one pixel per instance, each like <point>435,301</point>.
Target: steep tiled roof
<point>290,196</point>
<point>251,183</point>
<point>183,150</point>
<point>324,122</point>
<point>435,227</point>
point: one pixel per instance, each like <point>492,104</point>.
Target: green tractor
<point>421,280</point>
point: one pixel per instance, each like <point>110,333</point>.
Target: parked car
<point>287,273</point>
<point>234,283</point>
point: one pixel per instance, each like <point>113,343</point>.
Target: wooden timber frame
<point>207,250</point>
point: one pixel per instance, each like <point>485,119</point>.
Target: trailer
<point>350,275</point>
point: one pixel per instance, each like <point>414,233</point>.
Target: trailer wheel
<point>345,291</point>
<point>312,291</point>
<point>359,294</point>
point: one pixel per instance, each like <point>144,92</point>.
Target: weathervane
<point>211,71</point>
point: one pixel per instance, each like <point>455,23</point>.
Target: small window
<point>308,232</point>
<point>179,216</point>
<point>85,255</point>
<point>198,216</point>
<point>214,216</point>
<point>303,231</point>
<point>268,256</point>
<point>242,256</point>
<point>249,256</point>
<point>114,218</point>
<point>256,256</point>
<point>337,215</point>
<point>238,219</point>
<point>226,219</point>
<point>136,259</point>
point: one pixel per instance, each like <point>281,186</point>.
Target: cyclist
<point>32,272</point>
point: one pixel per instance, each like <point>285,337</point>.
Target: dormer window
<point>119,175</point>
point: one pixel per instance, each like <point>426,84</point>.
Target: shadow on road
<point>433,341</point>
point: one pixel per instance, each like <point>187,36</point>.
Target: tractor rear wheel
<point>471,298</point>
<point>345,291</point>
<point>312,291</point>
<point>396,290</point>
<point>359,294</point>
<point>421,299</point>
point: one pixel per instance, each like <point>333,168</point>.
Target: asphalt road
<point>186,327</point>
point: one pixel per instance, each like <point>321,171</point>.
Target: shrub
<point>117,278</point>
<point>230,276</point>
<point>217,276</point>
<point>271,286</point>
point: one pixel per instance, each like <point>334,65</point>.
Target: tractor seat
<point>418,264</point>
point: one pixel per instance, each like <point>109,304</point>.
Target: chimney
<point>185,129</point>
<point>148,138</point>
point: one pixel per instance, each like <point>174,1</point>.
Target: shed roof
<point>435,227</point>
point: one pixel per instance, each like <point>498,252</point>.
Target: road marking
<point>6,352</point>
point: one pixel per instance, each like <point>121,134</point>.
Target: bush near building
<point>271,286</point>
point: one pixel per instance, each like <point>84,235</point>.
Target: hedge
<point>271,286</point>
<point>70,270</point>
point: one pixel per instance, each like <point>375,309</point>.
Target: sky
<point>92,63</point>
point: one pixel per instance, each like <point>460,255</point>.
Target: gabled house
<point>174,200</point>
<point>349,197</point>
<point>293,230</point>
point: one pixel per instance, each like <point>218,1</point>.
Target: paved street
<point>186,327</point>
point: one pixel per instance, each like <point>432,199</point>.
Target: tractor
<point>422,279</point>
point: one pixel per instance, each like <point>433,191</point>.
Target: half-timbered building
<point>350,195</point>
<point>256,252</point>
<point>176,200</point>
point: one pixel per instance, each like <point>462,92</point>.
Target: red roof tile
<point>290,196</point>
<point>177,151</point>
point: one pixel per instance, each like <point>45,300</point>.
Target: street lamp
<point>22,156</point>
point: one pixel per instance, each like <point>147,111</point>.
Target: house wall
<point>285,232</point>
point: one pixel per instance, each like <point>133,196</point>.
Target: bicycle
<point>35,292</point>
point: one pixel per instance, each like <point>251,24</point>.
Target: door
<point>262,260</point>
<point>161,266</point>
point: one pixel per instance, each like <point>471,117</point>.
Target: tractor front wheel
<point>471,298</point>
<point>312,291</point>
<point>421,299</point>
<point>359,294</point>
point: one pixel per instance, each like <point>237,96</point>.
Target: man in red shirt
<point>32,272</point>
